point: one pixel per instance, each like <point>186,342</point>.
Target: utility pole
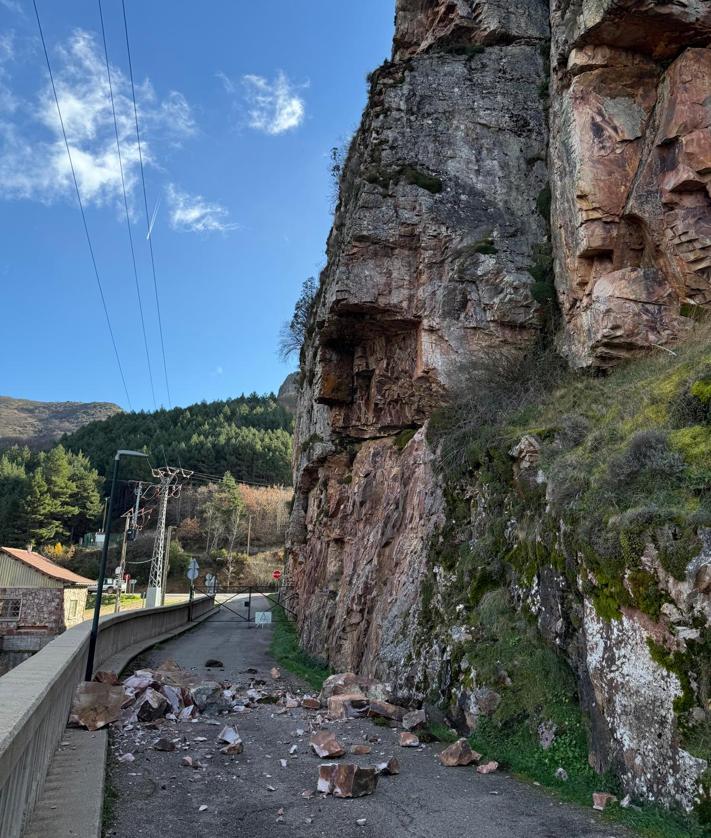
<point>127,516</point>
<point>249,533</point>
<point>169,487</point>
<point>166,563</point>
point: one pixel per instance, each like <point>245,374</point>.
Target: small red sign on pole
<point>276,575</point>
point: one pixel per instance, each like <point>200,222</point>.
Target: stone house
<point>38,600</point>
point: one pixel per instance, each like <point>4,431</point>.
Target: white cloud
<point>272,107</point>
<point>33,158</point>
<point>194,214</point>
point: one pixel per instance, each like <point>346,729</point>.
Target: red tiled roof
<point>42,565</point>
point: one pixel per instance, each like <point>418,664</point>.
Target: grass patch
<point>110,599</point>
<point>108,804</point>
<point>288,653</point>
<point>402,439</point>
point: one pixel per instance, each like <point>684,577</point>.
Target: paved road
<point>157,796</point>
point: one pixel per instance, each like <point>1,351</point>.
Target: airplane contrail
<point>153,219</point>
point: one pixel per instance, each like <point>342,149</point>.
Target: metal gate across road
<point>241,603</point>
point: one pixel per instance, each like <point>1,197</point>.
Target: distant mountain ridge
<point>37,424</point>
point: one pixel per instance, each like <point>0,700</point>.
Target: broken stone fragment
<point>350,705</point>
<point>325,744</point>
<point>208,696</point>
<point>361,750</point>
<point>164,744</point>
<point>210,663</point>
<point>187,761</point>
<point>561,774</point>
<point>106,678</point>
<point>335,684</point>
<point>414,719</point>
<point>310,703</point>
<point>409,740</point>
<point>96,704</point>
<point>391,767</point>
<point>173,697</point>
<point>487,767</point>
<point>458,753</point>
<point>151,705</point>
<point>275,673</point>
<point>385,710</point>
<point>229,735</point>
<point>350,780</point>
<point>138,682</point>
<point>233,748</point>
<point>126,758</point>
<point>291,703</point>
<point>325,778</point>
<point>601,799</point>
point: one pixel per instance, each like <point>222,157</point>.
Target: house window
<point>10,609</point>
<point>73,609</point>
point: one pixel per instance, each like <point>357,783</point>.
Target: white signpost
<point>193,570</point>
<point>262,617</point>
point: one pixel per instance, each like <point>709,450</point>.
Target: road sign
<point>262,617</point>
<point>276,575</point>
<point>193,570</point>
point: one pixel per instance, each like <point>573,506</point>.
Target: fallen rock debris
<point>162,698</point>
<point>602,799</point>
<point>458,753</point>
<point>325,744</point>
<point>409,740</point>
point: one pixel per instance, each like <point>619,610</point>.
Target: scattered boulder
<point>350,780</point>
<point>164,744</point>
<point>233,748</point>
<point>561,774</point>
<point>602,799</point>
<point>208,696</point>
<point>106,678</point>
<point>414,719</point>
<point>310,703</point>
<point>360,750</point>
<point>210,663</point>
<point>275,673</point>
<point>458,753</point>
<point>229,735</point>
<point>151,705</point>
<point>325,744</point>
<point>96,704</point>
<point>487,767</point>
<point>385,710</point>
<point>351,705</point>
<point>337,684</point>
<point>173,697</point>
<point>391,766</point>
<point>325,778</point>
<point>409,740</point>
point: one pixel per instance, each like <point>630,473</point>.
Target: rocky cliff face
<point>428,263</point>
<point>441,254</point>
<point>631,167</point>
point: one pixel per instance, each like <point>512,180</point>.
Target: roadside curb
<point>72,799</point>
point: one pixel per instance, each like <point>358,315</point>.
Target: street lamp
<point>104,557</point>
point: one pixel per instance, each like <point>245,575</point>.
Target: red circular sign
<point>276,574</point>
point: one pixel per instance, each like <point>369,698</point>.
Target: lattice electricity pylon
<point>169,488</point>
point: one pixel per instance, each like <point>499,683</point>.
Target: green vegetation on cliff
<point>602,481</point>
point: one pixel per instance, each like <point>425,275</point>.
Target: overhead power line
<point>125,204</point>
<point>145,203</point>
<point>81,206</point>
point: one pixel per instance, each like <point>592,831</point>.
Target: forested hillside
<point>249,436</point>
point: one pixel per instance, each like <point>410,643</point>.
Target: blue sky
<point>239,105</point>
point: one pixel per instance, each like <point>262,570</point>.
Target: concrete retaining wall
<point>36,696</point>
